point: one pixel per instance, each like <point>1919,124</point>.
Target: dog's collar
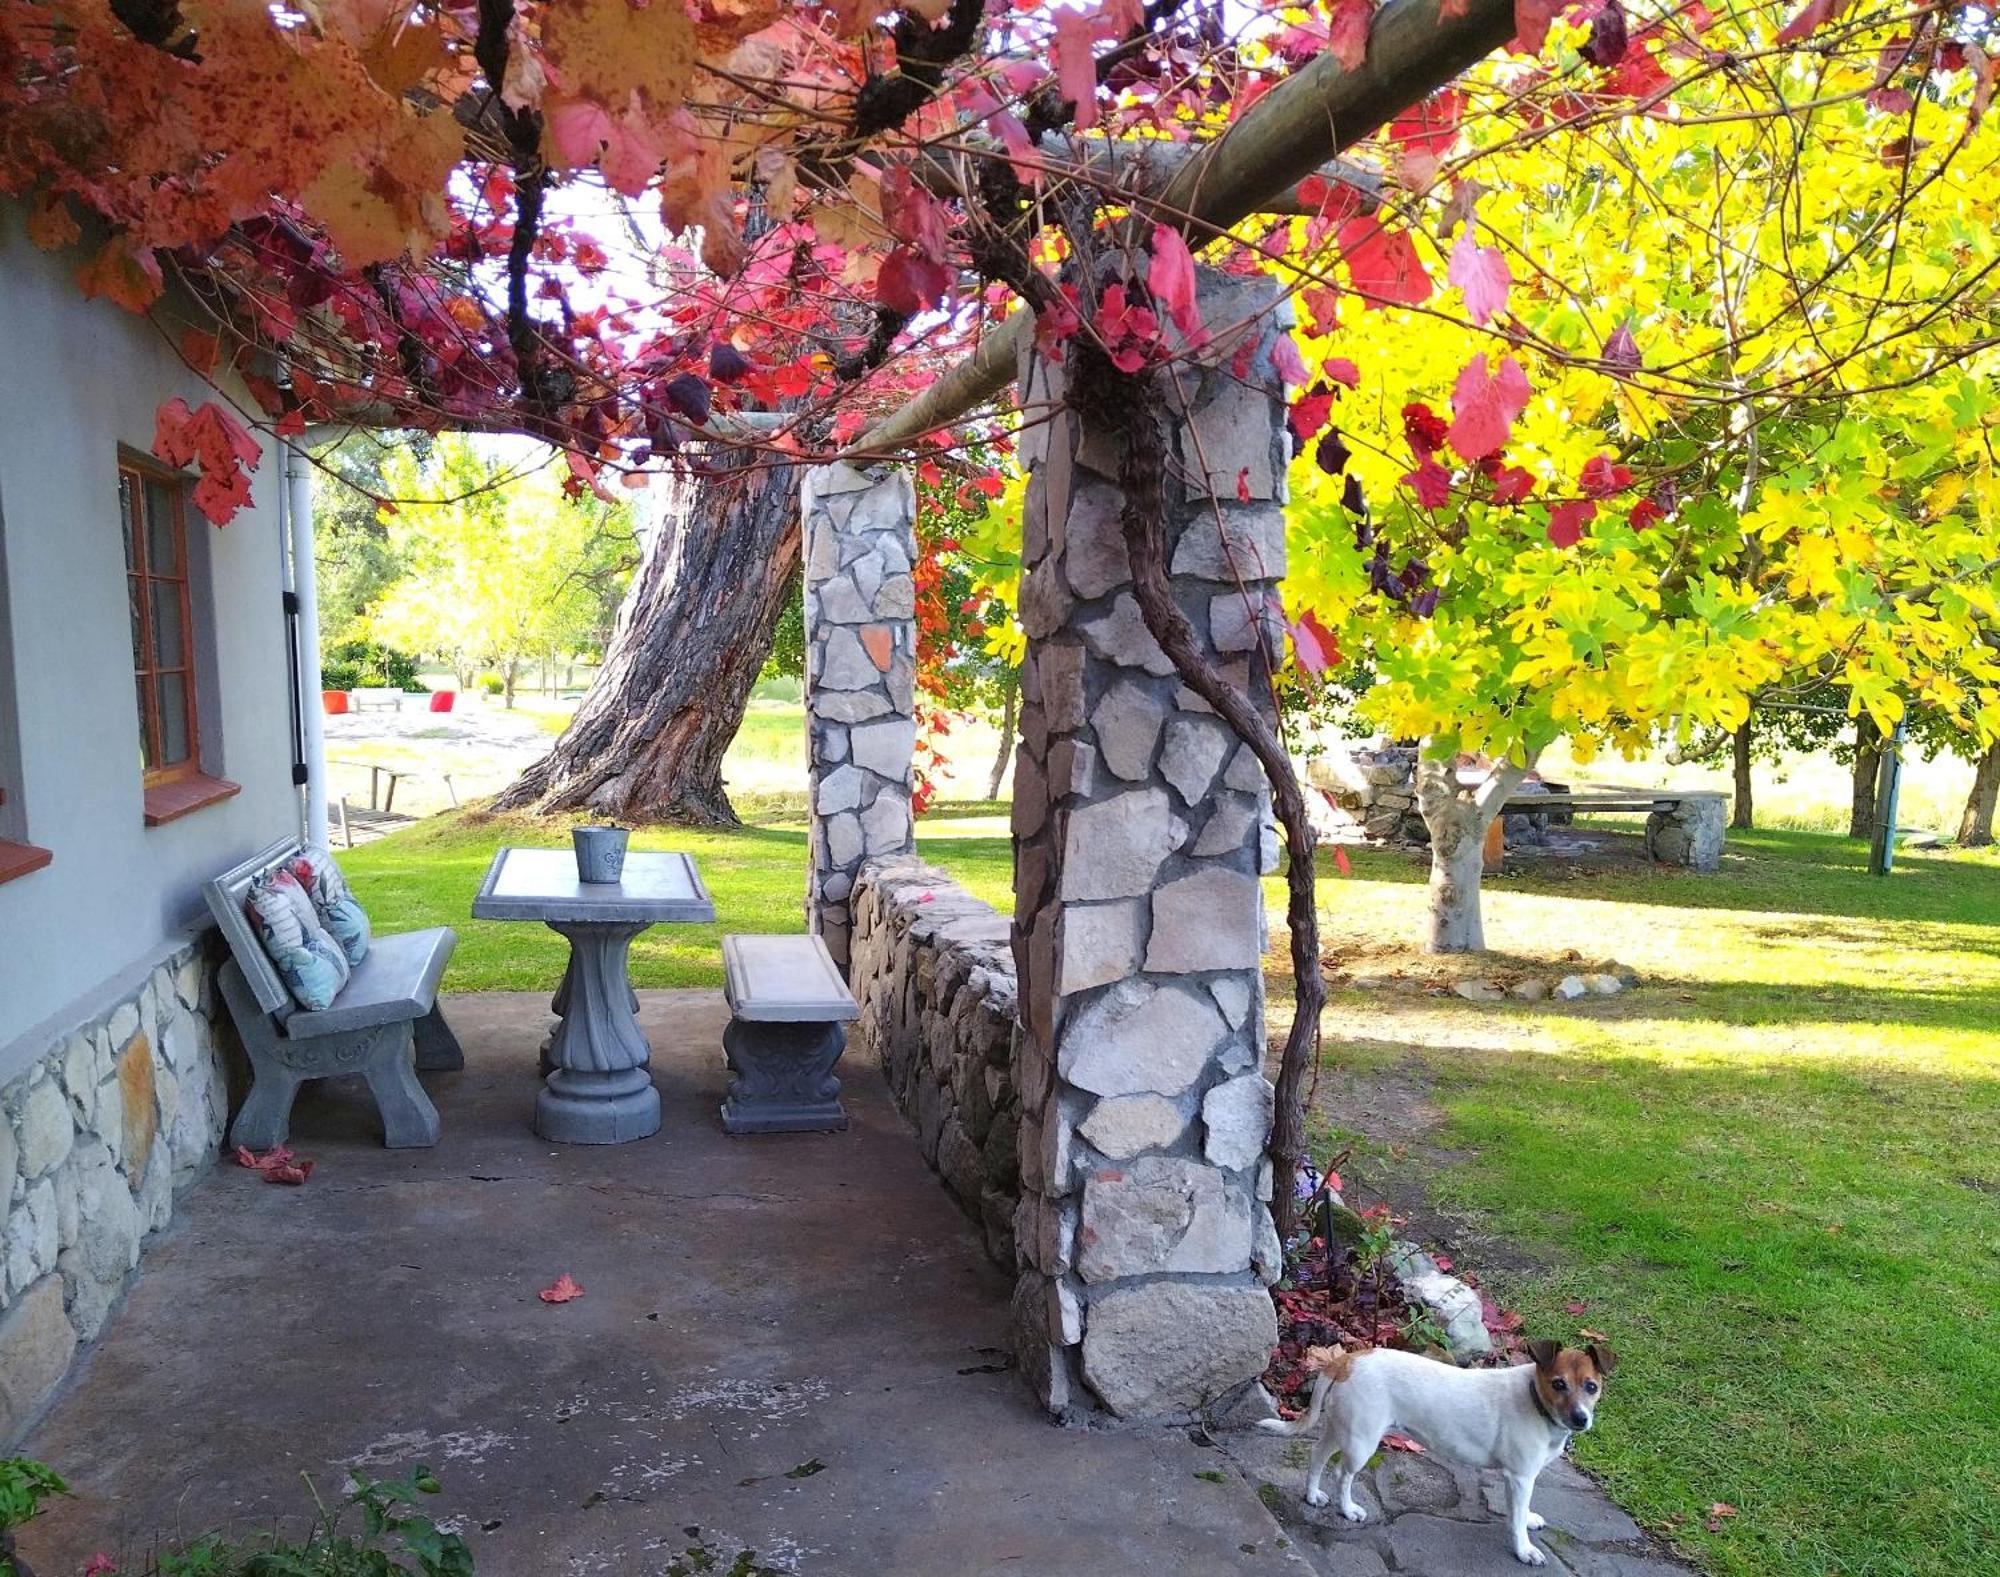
<point>1535,1396</point>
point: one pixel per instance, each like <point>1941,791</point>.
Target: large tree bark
<point>1457,815</point>
<point>1741,816</point>
<point>1975,828</point>
<point>1006,751</point>
<point>1867,765</point>
<point>648,740</point>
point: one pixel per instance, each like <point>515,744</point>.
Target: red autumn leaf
<point>1647,512</point>
<point>1396,1442</point>
<point>1576,1306</point>
<point>1566,522</point>
<point>1076,66</point>
<point>1601,476</point>
<point>1341,861</point>
<point>1313,644</point>
<point>1811,17</point>
<point>1511,484</point>
<point>1291,366</point>
<point>1170,281</point>
<point>1423,135</point>
<point>1531,24</point>
<point>1485,405</point>
<point>1382,265</point>
<point>1347,23</point>
<point>564,1289</point>
<point>1423,429</point>
<point>1243,485</point>
<point>1342,371</point>
<point>1481,272</point>
<point>1310,412</point>
<point>1431,483</point>
<point>202,350</point>
<point>909,282</point>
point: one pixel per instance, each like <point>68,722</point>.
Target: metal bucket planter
<point>600,853</point>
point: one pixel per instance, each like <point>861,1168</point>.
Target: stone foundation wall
<point>934,974</point>
<point>96,1140</point>
<point>1369,795</point>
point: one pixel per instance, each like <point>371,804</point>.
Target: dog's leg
<point>1350,1508</point>
<point>1322,1450</point>
<point>1521,1519</point>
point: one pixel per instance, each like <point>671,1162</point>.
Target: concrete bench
<point>1683,826</point>
<point>788,1010</point>
<point>384,1024</point>
<point>377,695</point>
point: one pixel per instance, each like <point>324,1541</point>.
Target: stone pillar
<point>861,639</point>
<point>1145,1242</point>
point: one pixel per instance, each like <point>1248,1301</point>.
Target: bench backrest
<point>226,895</point>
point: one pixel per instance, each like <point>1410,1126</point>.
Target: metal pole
<point>299,491</point>
<point>1888,784</point>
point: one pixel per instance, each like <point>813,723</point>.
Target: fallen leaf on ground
<point>276,1165</point>
<point>1717,1512</point>
<point>1576,1306</point>
<point>1396,1442</point>
<point>562,1290</point>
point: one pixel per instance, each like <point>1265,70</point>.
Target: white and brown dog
<point>1517,1420</point>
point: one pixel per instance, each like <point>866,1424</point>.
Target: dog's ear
<point>1544,1352</point>
<point>1605,1359</point>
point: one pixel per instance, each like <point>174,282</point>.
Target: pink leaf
<point>564,1289</point>
<point>1622,350</point>
<point>1382,265</point>
<point>1076,66</point>
<point>1313,644</point>
<point>1170,278</point>
<point>1531,24</point>
<point>1431,483</point>
<point>1290,364</point>
<point>1811,18</point>
<point>1484,406</point>
<point>1396,1442</point>
<point>1566,522</point>
<point>1348,24</point>
<point>1342,371</point>
<point>1482,273</point>
<point>1341,861</point>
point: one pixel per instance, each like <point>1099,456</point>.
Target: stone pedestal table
<point>597,1090</point>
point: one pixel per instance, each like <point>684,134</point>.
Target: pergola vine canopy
<point>607,222</point>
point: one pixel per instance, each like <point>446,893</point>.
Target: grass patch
<point>1770,1174</point>
<point>427,875</point>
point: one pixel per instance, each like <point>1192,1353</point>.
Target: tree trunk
<point>1457,816</point>
<point>648,740</point>
<point>1006,752</point>
<point>1975,828</point>
<point>1867,765</point>
<point>509,670</point>
<point>1740,816</point>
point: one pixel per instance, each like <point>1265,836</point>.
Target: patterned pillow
<point>309,961</point>
<point>340,912</point>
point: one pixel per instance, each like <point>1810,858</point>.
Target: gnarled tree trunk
<point>1867,766</point>
<point>1741,815</point>
<point>1975,827</point>
<point>648,740</point>
<point>1457,815</point>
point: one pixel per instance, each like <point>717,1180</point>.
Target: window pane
<point>136,587</point>
<point>172,692</point>
<point>169,632</point>
<point>147,754</point>
<point>128,504</point>
<point>162,539</point>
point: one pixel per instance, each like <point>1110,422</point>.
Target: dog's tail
<point>1332,1364</point>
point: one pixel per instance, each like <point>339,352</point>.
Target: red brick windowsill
<point>17,859</point>
<point>170,801</point>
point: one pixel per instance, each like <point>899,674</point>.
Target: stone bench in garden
<point>1683,826</point>
<point>384,1024</point>
<point>788,1010</point>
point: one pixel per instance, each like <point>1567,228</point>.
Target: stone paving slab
<point>751,1307</point>
<point>1431,1518</point>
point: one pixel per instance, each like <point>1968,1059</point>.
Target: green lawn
<point>1771,1173</point>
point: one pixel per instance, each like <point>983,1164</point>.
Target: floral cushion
<point>308,960</point>
<point>339,911</point>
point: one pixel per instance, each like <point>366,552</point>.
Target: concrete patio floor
<point>752,1306</point>
<point>754,1309</point>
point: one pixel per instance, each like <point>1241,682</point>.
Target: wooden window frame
<point>181,787</point>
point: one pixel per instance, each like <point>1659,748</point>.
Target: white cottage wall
<point>82,378</point>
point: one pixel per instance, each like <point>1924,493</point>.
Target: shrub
<point>491,684</point>
<point>370,665</point>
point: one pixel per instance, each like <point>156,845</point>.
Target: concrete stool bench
<point>788,1011</point>
<point>384,1025</point>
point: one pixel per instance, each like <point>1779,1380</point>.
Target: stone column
<point>1145,1241</point>
<point>861,637</point>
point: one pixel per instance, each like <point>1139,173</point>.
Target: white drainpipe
<point>299,513</point>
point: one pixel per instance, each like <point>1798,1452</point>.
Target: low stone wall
<point>1372,794</point>
<point>933,971</point>
<point>97,1138</point>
